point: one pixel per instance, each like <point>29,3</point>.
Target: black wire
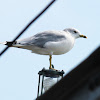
<point>28,26</point>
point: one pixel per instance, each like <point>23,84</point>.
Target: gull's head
<point>75,33</point>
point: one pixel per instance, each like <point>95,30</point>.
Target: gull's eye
<point>75,31</point>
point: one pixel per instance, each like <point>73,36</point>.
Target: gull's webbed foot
<point>52,67</point>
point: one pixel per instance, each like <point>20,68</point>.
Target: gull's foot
<point>52,67</point>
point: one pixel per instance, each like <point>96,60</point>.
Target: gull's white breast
<point>60,47</point>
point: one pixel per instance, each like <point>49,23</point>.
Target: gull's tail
<point>17,44</point>
<point>3,43</point>
<point>7,43</point>
<point>11,44</point>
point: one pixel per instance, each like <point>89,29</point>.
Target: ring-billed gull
<point>49,42</point>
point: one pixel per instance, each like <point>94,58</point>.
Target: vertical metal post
<point>62,76</point>
<point>57,79</point>
<point>38,86</point>
<point>42,84</point>
<point>62,73</point>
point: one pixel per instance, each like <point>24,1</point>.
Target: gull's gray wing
<point>41,38</point>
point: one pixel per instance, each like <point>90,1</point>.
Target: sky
<point>18,67</point>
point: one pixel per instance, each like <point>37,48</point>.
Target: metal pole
<point>38,86</point>
<point>62,75</point>
<point>42,84</point>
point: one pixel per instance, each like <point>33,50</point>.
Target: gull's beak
<point>83,36</point>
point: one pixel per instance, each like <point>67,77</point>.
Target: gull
<point>53,42</point>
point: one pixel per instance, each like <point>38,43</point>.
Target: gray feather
<point>41,38</point>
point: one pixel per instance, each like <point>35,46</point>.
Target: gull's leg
<point>50,62</point>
